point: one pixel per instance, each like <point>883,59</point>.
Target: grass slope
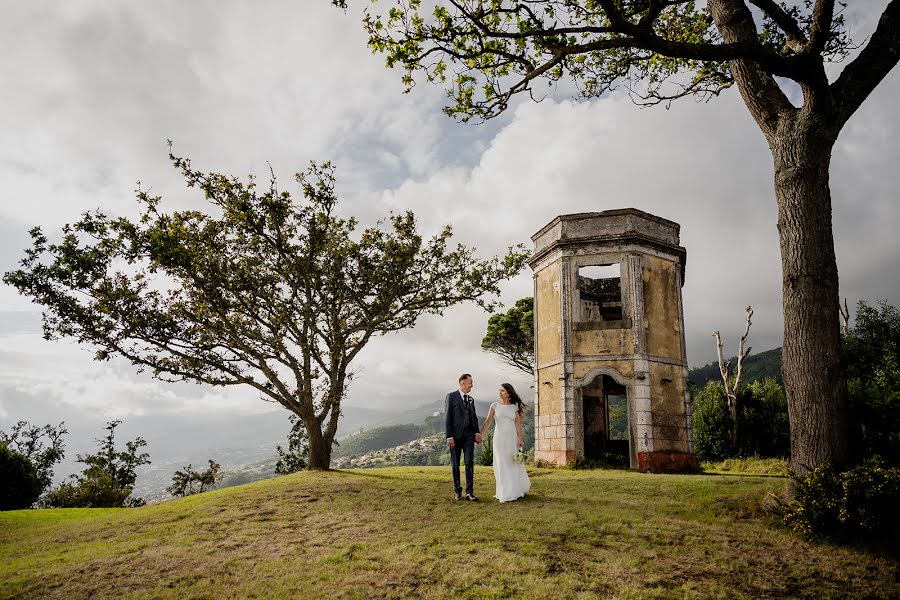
<point>396,533</point>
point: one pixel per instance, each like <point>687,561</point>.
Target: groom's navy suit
<point>461,424</point>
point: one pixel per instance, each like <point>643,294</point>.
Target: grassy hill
<point>756,366</point>
<point>396,533</point>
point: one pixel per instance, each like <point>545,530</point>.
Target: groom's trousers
<point>463,448</point>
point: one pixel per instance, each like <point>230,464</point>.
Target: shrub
<point>108,479</point>
<point>19,480</point>
<point>42,446</point>
<point>763,428</point>
<point>295,458</point>
<point>486,456</point>
<point>711,422</point>
<point>861,502</point>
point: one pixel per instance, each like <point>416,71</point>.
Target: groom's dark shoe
<point>471,498</point>
<point>458,496</point>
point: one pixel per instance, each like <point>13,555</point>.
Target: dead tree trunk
<point>731,387</point>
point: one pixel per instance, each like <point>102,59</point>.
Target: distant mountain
<point>756,366</point>
<point>239,443</point>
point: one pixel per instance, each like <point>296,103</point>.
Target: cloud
<point>93,90</point>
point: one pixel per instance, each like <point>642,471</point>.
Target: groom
<point>461,425</point>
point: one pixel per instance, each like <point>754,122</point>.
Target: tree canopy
<point>487,51</point>
<point>260,290</point>
<point>510,336</point>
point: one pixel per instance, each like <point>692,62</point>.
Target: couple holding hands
<point>461,425</point>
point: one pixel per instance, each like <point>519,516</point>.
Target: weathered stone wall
<point>644,351</point>
<point>661,308</point>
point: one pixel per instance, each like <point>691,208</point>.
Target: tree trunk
<point>811,356</point>
<point>319,447</point>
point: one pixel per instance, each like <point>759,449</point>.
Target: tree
<point>263,292</point>
<point>109,478</point>
<point>29,441</point>
<point>661,50</point>
<point>20,484</point>
<point>729,385</point>
<point>872,363</point>
<point>510,335</point>
<point>183,481</point>
<point>298,449</point>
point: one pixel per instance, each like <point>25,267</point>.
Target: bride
<point>512,480</point>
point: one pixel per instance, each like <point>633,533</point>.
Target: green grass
<point>397,533</point>
<point>753,465</point>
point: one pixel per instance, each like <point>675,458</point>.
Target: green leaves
<point>510,335</point>
<point>263,290</point>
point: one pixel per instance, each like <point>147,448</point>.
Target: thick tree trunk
<point>319,448</point>
<point>811,357</point>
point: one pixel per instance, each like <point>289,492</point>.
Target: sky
<point>92,90</point>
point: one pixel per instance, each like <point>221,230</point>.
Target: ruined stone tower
<point>609,340</point>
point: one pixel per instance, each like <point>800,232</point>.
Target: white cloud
<point>93,89</point>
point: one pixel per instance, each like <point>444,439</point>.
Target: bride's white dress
<point>512,479</point>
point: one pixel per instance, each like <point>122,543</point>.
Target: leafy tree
<point>108,480</point>
<point>264,291</point>
<point>298,449</point>
<point>29,441</point>
<point>20,484</point>
<point>183,481</point>
<point>872,363</point>
<point>711,422</point>
<point>487,51</point>
<point>510,335</point>
<point>762,419</point>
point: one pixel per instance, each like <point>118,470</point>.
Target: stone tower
<point>610,358</point>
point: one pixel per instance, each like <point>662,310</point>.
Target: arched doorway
<point>605,419</point>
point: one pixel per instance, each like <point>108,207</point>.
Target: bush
<point>19,480</point>
<point>871,357</point>
<point>294,459</point>
<point>711,423</point>
<point>97,489</point>
<point>763,428</point>
<point>859,503</point>
<point>108,479</point>
<point>486,456</point>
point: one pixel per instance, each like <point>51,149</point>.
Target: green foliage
<point>262,290</point>
<point>188,482</point>
<point>486,454</point>
<point>295,458</point>
<point>763,428</point>
<point>20,484</point>
<point>761,365</point>
<point>711,422</point>
<point>108,479</point>
<point>29,440</point>
<point>871,353</point>
<point>484,52</point>
<point>510,335</point>
<point>857,504</point>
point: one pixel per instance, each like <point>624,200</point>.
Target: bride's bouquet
<point>520,457</point>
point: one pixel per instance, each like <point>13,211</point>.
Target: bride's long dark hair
<point>514,398</point>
